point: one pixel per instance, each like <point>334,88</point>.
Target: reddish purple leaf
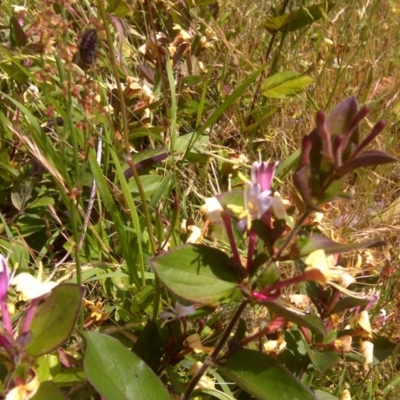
<point>341,116</point>
<point>367,158</point>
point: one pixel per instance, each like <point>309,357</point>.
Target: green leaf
<point>70,377</point>
<point>307,245</point>
<point>309,321</point>
<point>285,167</point>
<point>117,373</point>
<point>116,215</point>
<point>348,302</point>
<point>284,84</point>
<point>383,348</point>
<point>197,273</point>
<point>237,94</point>
<point>149,346</point>
<point>150,184</point>
<point>48,390</point>
<point>264,377</point>
<point>322,360</point>
<point>298,19</point>
<point>234,198</point>
<point>192,147</point>
<point>118,7</point>
<point>15,73</point>
<point>54,319</point>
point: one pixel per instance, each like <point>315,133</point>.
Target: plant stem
<point>212,357</point>
<point>227,220</point>
<point>284,245</point>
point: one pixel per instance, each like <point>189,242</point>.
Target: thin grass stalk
<point>73,202</point>
<point>125,124</point>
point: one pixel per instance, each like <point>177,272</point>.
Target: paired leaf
<point>54,319</point>
<point>117,373</point>
<point>197,273</point>
<point>264,377</point>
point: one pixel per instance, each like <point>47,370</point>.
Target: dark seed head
<point>87,47</point>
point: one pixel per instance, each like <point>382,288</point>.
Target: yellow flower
<point>363,321</point>
<point>194,342</point>
<point>326,272</point>
<point>345,395</point>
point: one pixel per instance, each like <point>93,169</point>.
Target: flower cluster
<point>30,288</point>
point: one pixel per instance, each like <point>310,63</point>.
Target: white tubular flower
<point>277,206</point>
<point>274,346</point>
<point>367,351</point>
<point>24,391</point>
<point>212,209</point>
<point>31,287</point>
<point>195,234</point>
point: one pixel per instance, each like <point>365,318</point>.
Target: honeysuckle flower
<point>274,346</point>
<point>24,391</point>
<point>258,195</point>
<point>195,234</point>
<point>326,272</point>
<point>363,321</point>
<point>345,395</point>
<point>212,209</point>
<point>259,199</point>
<point>367,351</point>
<point>194,342</point>
<point>343,344</point>
<point>31,287</point>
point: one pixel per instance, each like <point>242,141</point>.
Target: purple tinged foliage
<point>333,150</point>
<point>4,283</point>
